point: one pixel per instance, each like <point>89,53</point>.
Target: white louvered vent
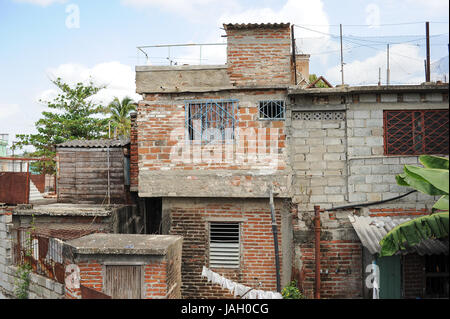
<point>224,245</point>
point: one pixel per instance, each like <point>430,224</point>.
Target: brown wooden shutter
<point>123,282</point>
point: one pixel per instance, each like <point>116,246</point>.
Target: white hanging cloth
<point>238,289</point>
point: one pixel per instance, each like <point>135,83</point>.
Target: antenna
<point>342,56</point>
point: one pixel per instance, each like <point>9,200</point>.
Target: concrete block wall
<point>40,287</point>
<point>259,55</point>
<point>318,148</point>
<point>190,218</point>
<point>371,172</point>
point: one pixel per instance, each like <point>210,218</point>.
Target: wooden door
<point>123,282</point>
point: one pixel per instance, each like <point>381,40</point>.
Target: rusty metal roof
<point>371,230</point>
<point>100,143</point>
<point>234,26</point>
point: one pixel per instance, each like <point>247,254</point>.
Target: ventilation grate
<point>224,245</point>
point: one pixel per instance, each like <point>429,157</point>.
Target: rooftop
<point>100,143</point>
<point>65,209</point>
<point>231,26</point>
<point>117,244</point>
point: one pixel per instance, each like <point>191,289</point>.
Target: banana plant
<point>432,179</point>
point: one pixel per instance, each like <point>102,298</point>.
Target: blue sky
<point>42,39</point>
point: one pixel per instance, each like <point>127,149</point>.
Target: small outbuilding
<point>93,171</point>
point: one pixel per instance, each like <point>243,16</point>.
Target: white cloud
<point>437,6</point>
<point>118,78</point>
<point>8,110</point>
<point>42,3</point>
<point>406,66</point>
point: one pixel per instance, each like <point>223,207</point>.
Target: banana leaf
<point>430,161</point>
<point>412,232</point>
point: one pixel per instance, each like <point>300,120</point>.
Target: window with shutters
<point>271,110</point>
<point>224,245</point>
<point>415,132</point>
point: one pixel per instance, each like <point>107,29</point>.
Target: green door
<point>390,277</point>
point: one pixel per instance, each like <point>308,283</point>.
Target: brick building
<point>210,142</point>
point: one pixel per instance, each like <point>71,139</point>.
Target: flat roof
<point>66,209</point>
<point>426,87</point>
<point>119,244</point>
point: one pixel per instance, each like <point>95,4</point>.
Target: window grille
<point>211,120</point>
<point>415,132</point>
<point>224,245</point>
<point>271,110</point>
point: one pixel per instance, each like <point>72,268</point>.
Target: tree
<point>74,117</point>
<point>320,84</point>
<point>119,112</point>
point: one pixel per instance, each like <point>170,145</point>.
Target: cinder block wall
<point>259,55</point>
<point>190,218</point>
<point>39,287</point>
<point>338,162</point>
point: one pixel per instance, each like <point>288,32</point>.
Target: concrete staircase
<point>34,192</point>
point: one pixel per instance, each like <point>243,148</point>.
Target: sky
<point>79,40</point>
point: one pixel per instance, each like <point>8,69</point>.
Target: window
<point>436,273</point>
<point>224,245</point>
<point>211,121</point>
<point>271,110</point>
<point>415,132</point>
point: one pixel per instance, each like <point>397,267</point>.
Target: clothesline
<point>238,289</point>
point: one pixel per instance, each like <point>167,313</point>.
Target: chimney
<point>259,54</point>
<point>302,67</point>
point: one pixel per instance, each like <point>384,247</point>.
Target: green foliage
<point>73,116</point>
<point>119,112</point>
<point>432,179</point>
<point>413,232</point>
<point>22,280</point>
<point>320,84</point>
<point>291,291</point>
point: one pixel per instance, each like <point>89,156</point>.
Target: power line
<point>370,26</point>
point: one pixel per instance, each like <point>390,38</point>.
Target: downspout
<point>27,196</point>
<point>317,250</point>
<point>293,54</point>
<point>275,240</point>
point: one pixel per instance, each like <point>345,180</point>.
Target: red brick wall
<point>413,275</point>
<point>342,259</point>
<point>134,170</point>
<point>189,218</point>
<point>378,212</point>
<point>259,56</point>
<point>159,277</point>
<point>161,136</point>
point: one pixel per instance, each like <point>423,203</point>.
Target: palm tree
<point>119,112</point>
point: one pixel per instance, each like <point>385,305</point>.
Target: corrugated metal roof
<point>95,143</point>
<point>371,230</point>
<point>230,26</point>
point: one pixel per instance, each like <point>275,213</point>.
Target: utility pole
<point>342,56</point>
<point>388,71</point>
<point>379,76</point>
<point>427,27</point>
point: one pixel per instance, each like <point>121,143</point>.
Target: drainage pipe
<point>317,250</point>
<point>275,240</point>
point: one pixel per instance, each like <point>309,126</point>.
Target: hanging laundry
<point>238,289</point>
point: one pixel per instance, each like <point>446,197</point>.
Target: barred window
<point>211,120</point>
<point>415,132</point>
<point>224,245</point>
<point>271,110</point>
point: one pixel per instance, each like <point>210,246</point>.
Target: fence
<point>19,184</point>
<point>42,249</point>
